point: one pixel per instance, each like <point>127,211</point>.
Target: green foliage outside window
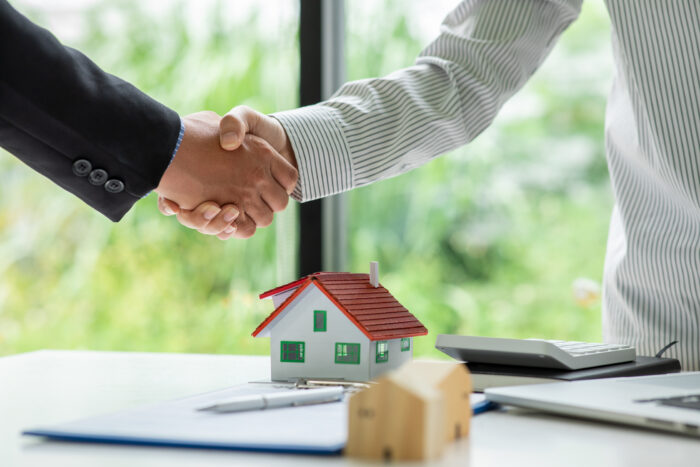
<point>488,239</point>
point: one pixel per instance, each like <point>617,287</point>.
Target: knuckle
<point>229,120</point>
<point>246,232</point>
<point>283,202</point>
<point>247,199</point>
<point>293,177</point>
<point>266,219</point>
<point>257,145</point>
<point>263,148</point>
<point>278,202</point>
<point>258,175</point>
<point>197,221</point>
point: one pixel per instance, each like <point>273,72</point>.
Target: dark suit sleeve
<point>90,132</point>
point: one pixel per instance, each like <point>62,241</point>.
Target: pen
<point>276,400</point>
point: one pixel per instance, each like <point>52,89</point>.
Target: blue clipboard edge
<point>125,440</point>
<point>484,406</point>
<point>477,408</point>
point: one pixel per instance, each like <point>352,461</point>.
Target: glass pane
<point>319,320</point>
<point>490,237</point>
<point>72,279</point>
<point>292,352</point>
<point>382,351</point>
<point>347,353</point>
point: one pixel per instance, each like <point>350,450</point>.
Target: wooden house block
<point>410,413</point>
<point>392,421</point>
<point>454,382</point>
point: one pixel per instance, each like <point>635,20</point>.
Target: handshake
<point>229,175</point>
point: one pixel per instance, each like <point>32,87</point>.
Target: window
<point>382,351</point>
<point>547,215</point>
<point>405,344</point>
<point>347,353</point>
<point>319,321</point>
<point>292,352</point>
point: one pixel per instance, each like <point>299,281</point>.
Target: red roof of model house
<point>372,309</point>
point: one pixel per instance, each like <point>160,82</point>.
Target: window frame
<point>382,357</point>
<point>322,224</point>
<point>302,352</point>
<point>359,349</point>
<point>408,341</point>
<point>325,320</point>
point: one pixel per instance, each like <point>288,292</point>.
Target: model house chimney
<point>374,274</point>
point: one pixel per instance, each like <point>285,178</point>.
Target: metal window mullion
<point>322,223</point>
<point>334,208</point>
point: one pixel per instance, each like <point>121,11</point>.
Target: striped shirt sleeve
<point>379,128</point>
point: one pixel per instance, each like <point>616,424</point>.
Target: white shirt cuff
<point>321,150</point>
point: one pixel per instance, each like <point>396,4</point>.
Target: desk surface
<point>47,387</point>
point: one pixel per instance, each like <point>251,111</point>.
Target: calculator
<point>541,353</point>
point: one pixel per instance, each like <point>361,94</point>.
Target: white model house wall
<point>396,357</point>
<point>296,323</point>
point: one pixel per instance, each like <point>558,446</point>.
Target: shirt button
<point>82,167</point>
<point>114,186</point>
<point>98,177</point>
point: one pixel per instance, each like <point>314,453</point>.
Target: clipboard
<point>312,429</point>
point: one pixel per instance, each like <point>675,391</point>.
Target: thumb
<point>234,126</point>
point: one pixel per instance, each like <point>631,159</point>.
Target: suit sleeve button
<point>82,167</point>
<point>114,186</point>
<point>98,177</point>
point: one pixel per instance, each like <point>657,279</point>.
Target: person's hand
<point>241,121</point>
<point>254,178</point>
<point>233,128</point>
<point>208,218</point>
<point>200,219</point>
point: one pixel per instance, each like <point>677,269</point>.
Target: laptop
<point>665,402</point>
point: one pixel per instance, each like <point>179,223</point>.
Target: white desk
<point>53,386</point>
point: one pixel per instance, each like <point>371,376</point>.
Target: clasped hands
<point>230,174</point>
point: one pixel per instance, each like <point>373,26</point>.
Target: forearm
<point>57,107</point>
<point>378,128</point>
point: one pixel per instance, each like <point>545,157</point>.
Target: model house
<point>411,413</point>
<point>342,326</point>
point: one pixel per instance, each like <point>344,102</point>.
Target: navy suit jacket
<point>90,132</point>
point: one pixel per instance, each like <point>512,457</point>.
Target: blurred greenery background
<point>487,240</point>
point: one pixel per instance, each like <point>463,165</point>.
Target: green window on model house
<point>382,351</point>
<point>347,353</point>
<point>292,352</point>
<point>405,344</point>
<point>319,320</point>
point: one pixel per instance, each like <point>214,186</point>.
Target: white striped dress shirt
<point>487,49</point>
